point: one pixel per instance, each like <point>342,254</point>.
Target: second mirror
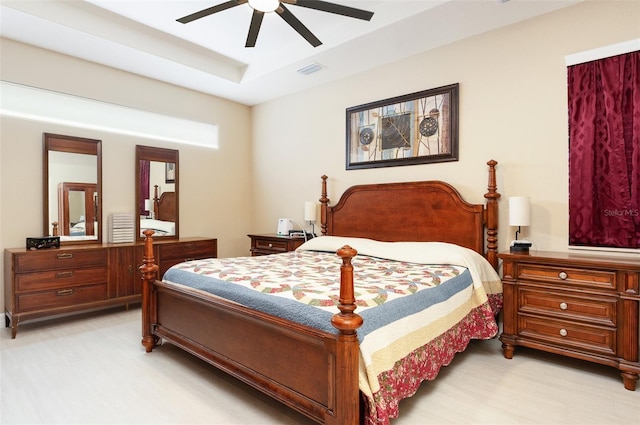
<point>157,191</point>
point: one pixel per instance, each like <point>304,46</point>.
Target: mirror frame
<point>71,144</point>
<point>149,153</point>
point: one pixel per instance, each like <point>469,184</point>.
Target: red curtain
<point>145,169</point>
<point>604,152</point>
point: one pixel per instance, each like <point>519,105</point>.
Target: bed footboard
<point>313,372</point>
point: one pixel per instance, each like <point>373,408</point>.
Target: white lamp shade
<point>519,211</point>
<point>148,206</point>
<point>309,211</point>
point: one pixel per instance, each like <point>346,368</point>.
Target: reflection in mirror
<point>72,195</point>
<point>77,205</point>
<point>157,191</point>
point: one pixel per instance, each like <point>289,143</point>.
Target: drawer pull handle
<point>563,306</point>
<point>62,275</point>
<point>563,332</point>
<point>64,256</point>
<point>270,245</point>
<point>563,275</point>
<point>64,292</point>
<point>189,246</point>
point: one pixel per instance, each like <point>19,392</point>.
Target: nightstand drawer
<point>570,335</point>
<point>599,279</point>
<point>59,259</point>
<point>66,297</point>
<point>592,309</point>
<point>59,279</point>
<point>271,245</point>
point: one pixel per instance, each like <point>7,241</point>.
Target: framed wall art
<point>417,128</point>
<point>170,172</point>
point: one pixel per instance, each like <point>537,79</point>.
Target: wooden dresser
<point>75,278</point>
<point>273,244</point>
<point>582,306</point>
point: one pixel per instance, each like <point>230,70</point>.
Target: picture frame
<point>416,128</point>
<point>170,172</point>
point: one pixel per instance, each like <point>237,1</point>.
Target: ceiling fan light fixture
<point>265,6</point>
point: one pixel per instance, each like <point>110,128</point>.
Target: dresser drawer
<point>185,251</point>
<point>56,279</point>
<point>563,305</point>
<point>66,297</point>
<point>59,259</point>
<point>595,339</point>
<point>597,279</point>
<point>171,254</point>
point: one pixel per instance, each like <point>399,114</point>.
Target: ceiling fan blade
<point>298,26</point>
<point>338,9</point>
<point>210,11</point>
<point>254,29</point>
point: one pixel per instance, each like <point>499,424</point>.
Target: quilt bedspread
<point>421,301</point>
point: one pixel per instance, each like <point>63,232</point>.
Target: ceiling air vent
<point>310,69</point>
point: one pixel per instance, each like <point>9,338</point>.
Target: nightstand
<point>273,244</point>
<point>581,306</point>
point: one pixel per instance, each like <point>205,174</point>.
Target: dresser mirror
<point>72,189</point>
<point>157,192</point>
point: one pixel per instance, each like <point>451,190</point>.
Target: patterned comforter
<point>421,303</point>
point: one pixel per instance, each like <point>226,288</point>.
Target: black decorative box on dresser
<point>582,306</point>
<point>43,283</point>
<point>273,244</point>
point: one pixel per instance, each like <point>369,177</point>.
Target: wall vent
<point>310,69</point>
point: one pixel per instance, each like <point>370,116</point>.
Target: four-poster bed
<point>318,371</point>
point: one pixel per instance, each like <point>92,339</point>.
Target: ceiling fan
<point>260,7</point>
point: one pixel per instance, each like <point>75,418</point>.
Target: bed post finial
<point>149,272</point>
<point>324,201</point>
<point>491,215</point>
<point>347,322</point>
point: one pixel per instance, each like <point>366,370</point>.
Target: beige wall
<point>512,109</point>
<point>215,190</point>
<point>271,157</point>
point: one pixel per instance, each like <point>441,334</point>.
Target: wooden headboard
<point>427,211</point>
<point>164,207</point>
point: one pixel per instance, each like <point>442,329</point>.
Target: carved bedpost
<point>324,201</point>
<point>149,272</point>
<point>491,215</point>
<point>156,202</point>
<point>54,229</point>
<point>347,322</point>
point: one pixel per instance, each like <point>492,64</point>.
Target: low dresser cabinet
<point>581,306</point>
<point>75,278</point>
<point>273,244</point>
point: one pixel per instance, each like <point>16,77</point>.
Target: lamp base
<point>521,247</point>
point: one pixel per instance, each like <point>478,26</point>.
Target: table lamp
<point>519,215</point>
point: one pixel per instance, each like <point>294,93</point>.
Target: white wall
<point>215,190</point>
<point>513,108</point>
